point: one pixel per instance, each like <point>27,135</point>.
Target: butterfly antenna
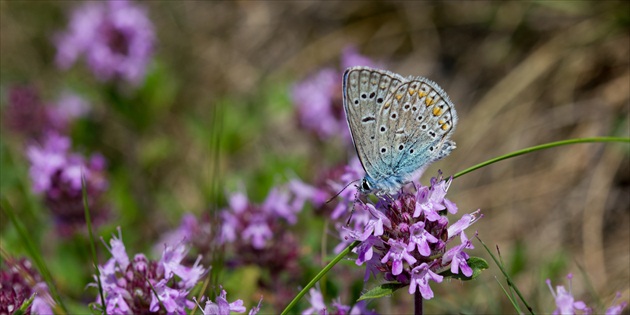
<point>356,195</point>
<point>335,196</point>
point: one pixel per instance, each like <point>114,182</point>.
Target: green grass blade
<point>88,221</point>
<point>541,147</point>
<point>507,277</point>
<point>319,275</point>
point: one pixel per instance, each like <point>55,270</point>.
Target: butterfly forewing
<point>365,91</point>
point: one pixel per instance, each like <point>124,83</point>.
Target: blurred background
<point>219,111</point>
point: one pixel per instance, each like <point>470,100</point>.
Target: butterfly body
<point>399,125</point>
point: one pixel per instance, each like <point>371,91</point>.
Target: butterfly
<point>398,125</point>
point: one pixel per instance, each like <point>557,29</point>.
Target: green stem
<point>540,147</point>
<point>88,221</point>
<point>507,278</point>
<point>331,264</point>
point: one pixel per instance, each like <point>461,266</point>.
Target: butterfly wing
<point>364,93</point>
<point>420,119</point>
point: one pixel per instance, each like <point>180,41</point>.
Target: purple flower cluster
<point>566,303</point>
<point>56,174</point>
<point>406,237</point>
<point>259,226</point>
<point>253,234</point>
<point>116,38</point>
<point>140,285</point>
<point>319,100</point>
<point>318,307</point>
<point>18,282</point>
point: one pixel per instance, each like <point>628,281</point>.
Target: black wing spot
<point>420,118</point>
<point>414,108</point>
<point>407,106</point>
<point>411,151</point>
<point>363,96</point>
<point>383,128</point>
<point>401,147</point>
<point>372,95</point>
<point>379,100</point>
<point>430,148</point>
<point>394,116</point>
<point>383,150</point>
<point>369,118</point>
<point>372,137</point>
<point>356,101</point>
<point>424,126</point>
<point>432,133</point>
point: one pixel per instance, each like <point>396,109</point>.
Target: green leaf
<point>475,263</point>
<point>382,290</point>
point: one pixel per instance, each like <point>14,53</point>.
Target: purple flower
<point>565,302</point>
<point>56,173</point>
<point>616,309</point>
<point>397,252</point>
<point>18,282</point>
<point>420,238</point>
<point>365,250</point>
<point>257,233</point>
<point>116,38</point>
<point>25,113</point>
<point>278,203</point>
<point>376,224</point>
<point>457,257</point>
<point>222,306</point>
<point>407,227</point>
<point>69,107</point>
<point>463,223</point>
<point>420,277</point>
<point>318,306</point>
<point>130,286</point>
<point>316,299</point>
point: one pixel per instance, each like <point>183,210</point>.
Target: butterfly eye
<point>365,185</point>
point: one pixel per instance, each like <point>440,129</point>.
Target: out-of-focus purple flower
<point>56,173</point>
<point>18,282</point>
<point>333,182</point>
<point>318,306</point>
<point>390,248</point>
<point>616,309</point>
<point>250,234</point>
<point>130,286</point>
<point>68,108</point>
<point>221,306</point>
<point>316,299</point>
<point>350,57</point>
<point>116,38</point>
<point>319,101</point>
<point>28,115</point>
<point>565,302</point>
<point>25,113</point>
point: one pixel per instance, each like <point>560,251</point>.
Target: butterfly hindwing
<point>430,119</point>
